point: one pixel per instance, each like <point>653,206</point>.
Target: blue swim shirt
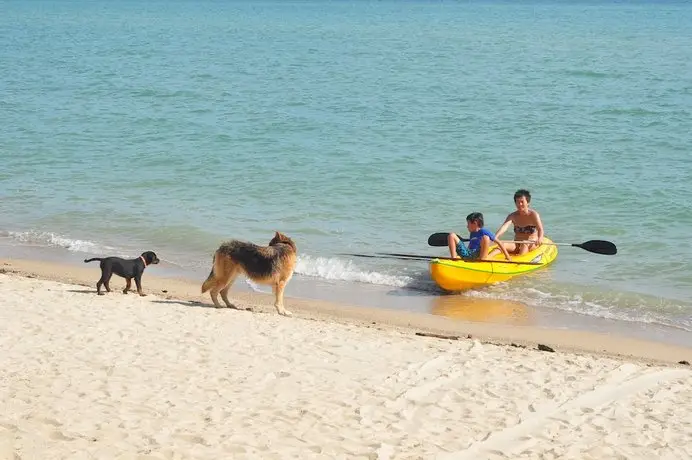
<point>475,238</point>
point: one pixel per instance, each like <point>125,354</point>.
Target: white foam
<point>345,270</point>
<point>256,287</point>
<point>631,310</point>
<point>40,238</point>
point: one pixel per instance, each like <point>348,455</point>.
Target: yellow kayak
<point>459,275</point>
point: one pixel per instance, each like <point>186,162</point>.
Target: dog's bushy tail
<point>210,279</point>
<point>86,261</point>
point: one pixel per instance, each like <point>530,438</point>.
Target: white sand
<point>120,376</point>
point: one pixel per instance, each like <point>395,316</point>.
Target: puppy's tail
<point>91,260</point>
<point>210,279</point>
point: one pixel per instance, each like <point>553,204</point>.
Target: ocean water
<point>357,126</point>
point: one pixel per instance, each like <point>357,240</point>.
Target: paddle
<point>596,246</point>
<point>415,256</point>
<point>394,255</point>
<point>383,256</point>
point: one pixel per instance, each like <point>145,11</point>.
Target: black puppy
<point>128,269</point>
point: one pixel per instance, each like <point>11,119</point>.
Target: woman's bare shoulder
<point>511,217</point>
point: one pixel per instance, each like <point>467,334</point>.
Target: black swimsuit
<point>527,230</point>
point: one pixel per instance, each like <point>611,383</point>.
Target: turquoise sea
<point>357,126</point>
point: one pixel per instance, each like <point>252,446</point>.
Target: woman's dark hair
<point>521,192</point>
<point>476,217</point>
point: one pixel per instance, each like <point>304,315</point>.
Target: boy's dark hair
<point>476,217</point>
<point>522,192</point>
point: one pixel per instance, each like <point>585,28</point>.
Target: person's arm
<point>504,227</point>
<point>502,248</point>
<point>539,227</point>
<point>485,246</point>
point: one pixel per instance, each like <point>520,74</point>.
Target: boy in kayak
<point>479,240</point>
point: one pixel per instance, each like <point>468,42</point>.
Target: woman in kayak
<point>527,225</point>
<point>479,240</point>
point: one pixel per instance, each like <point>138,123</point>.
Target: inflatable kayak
<point>459,275</point>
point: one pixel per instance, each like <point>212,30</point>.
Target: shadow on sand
<point>198,304</point>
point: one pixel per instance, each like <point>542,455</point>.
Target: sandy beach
<point>167,377</point>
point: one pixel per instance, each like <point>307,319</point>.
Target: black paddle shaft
<point>394,255</point>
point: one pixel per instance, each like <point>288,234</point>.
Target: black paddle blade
<point>599,247</point>
<point>438,239</point>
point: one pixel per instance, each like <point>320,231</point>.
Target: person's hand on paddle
<point>503,249</point>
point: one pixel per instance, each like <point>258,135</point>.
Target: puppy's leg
<point>224,291</point>
<point>128,283</point>
<point>105,280</point>
<point>138,282</point>
<point>278,289</point>
<point>98,286</point>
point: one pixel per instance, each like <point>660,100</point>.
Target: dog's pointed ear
<point>275,239</point>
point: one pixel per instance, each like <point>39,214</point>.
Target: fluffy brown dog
<point>271,265</point>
